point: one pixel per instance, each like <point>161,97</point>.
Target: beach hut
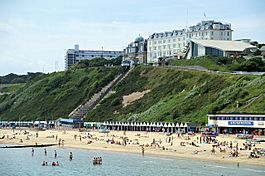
<point>148,128</point>
<point>134,126</point>
<point>185,127</point>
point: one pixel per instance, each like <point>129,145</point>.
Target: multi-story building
<point>75,55</point>
<point>175,43</point>
<point>136,50</point>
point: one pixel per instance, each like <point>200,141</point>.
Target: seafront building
<point>219,48</point>
<point>238,123</point>
<point>176,43</point>
<point>75,55</point>
<point>136,51</point>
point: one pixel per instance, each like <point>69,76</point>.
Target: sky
<point>35,34</point>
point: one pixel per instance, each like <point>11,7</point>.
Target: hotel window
<point>211,32</point>
<point>251,118</point>
<point>221,33</point>
<point>164,46</point>
<point>174,40</point>
<point>178,39</point>
<point>256,119</point>
<point>159,47</point>
<point>150,48</point>
<point>154,47</point>
<point>174,45</point>
<point>154,42</point>
<point>168,46</point>
<point>159,41</point>
<point>164,41</point>
<point>168,40</point>
<point>227,33</point>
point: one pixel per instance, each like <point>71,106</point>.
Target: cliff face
<point>179,95</point>
<point>155,94</point>
<point>54,95</point>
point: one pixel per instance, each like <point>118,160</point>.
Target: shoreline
<point>175,152</point>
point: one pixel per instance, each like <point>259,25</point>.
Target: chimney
<point>76,47</point>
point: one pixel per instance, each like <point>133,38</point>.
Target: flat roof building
<point>237,123</point>
<point>220,48</point>
<point>75,55</point>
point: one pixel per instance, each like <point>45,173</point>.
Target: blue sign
<point>242,123</point>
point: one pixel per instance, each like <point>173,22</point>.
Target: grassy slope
<point>178,95</point>
<point>56,94</point>
<point>210,63</point>
<point>11,87</point>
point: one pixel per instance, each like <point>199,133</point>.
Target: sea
<point>20,162</point>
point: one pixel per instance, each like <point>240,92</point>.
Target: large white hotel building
<point>175,43</point>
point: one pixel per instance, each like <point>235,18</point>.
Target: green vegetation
<point>175,95</point>
<point>179,95</point>
<point>98,62</point>
<point>13,78</point>
<point>54,95</point>
<point>10,88</point>
<point>223,64</point>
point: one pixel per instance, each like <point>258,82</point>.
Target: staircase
<point>82,109</point>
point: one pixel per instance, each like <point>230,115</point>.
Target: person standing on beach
<point>56,137</point>
<point>32,151</point>
<point>59,142</point>
<point>71,156</point>
<point>143,150</point>
<point>45,152</point>
<point>55,154</point>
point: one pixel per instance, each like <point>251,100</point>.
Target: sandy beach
<point>151,143</point>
